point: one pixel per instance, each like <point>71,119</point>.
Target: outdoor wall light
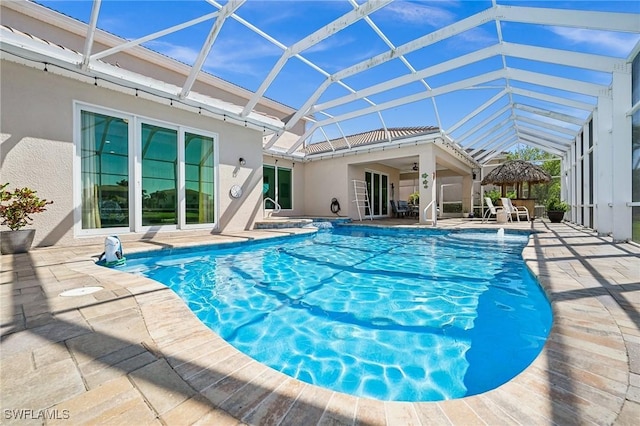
<point>242,161</point>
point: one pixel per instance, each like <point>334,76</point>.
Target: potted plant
<point>556,209</point>
<point>465,212</point>
<point>15,210</point>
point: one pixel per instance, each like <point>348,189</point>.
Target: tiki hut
<point>516,172</point>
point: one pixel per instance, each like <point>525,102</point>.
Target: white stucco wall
<point>37,146</point>
<point>324,180</point>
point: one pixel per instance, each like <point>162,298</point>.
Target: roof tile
<point>372,137</point>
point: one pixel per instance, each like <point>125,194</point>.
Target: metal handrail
<point>433,211</point>
<point>275,203</point>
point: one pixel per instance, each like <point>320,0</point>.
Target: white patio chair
<point>491,210</point>
<point>517,210</point>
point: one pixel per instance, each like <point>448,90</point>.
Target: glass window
<point>104,171</point>
<point>178,187</point>
<point>368,177</point>
<point>269,185</point>
<point>385,196</point>
<point>277,185</point>
<point>159,175</point>
<point>285,196</point>
<point>377,191</point>
<point>376,194</point>
<point>199,178</point>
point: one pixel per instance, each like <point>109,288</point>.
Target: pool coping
<point>587,372</point>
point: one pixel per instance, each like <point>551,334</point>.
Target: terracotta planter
<point>555,216</point>
<point>12,242</point>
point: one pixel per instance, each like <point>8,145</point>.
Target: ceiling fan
<point>415,167</point>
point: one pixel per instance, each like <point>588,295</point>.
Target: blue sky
<point>245,58</point>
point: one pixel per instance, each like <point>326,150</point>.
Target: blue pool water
<point>416,315</point>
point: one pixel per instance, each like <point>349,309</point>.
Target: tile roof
<point>371,137</point>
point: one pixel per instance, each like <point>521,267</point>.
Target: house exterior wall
<point>324,180</point>
<point>37,147</point>
<point>333,178</point>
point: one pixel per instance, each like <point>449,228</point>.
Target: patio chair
<point>403,206</point>
<point>398,210</point>
<point>517,210</point>
<point>491,210</point>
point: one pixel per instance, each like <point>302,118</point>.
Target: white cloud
<point>419,14</point>
<point>330,43</point>
<point>614,43</point>
<point>181,53</point>
<point>475,36</point>
<point>229,56</point>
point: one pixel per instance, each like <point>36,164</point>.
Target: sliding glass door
<point>159,176</point>
<point>377,188</point>
<point>104,174</point>
<point>199,182</point>
<point>133,174</point>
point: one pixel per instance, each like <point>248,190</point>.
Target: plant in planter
<point>556,209</point>
<point>15,210</point>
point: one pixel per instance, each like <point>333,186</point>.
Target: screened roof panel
<point>466,71</point>
<point>568,38</point>
<point>404,90</point>
<point>380,74</point>
<point>350,65</point>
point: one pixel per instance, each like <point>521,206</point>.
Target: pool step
<point>293,222</point>
<point>279,223</point>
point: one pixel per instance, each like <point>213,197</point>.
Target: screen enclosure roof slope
<point>490,75</point>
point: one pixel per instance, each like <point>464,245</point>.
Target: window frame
<point>78,107</point>
<point>182,205</point>
<point>276,169</point>
<point>134,134</point>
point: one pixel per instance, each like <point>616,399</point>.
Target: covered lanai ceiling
<point>489,74</point>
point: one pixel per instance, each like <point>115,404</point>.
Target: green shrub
<point>16,206</point>
<point>494,194</point>
<point>555,205</point>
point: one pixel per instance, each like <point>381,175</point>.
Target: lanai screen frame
<point>505,120</point>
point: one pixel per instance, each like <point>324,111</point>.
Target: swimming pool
<point>404,315</point>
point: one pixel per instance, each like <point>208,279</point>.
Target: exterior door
<point>377,188</point>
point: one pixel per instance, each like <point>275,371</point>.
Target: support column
<point>567,180</point>
<point>621,154</point>
<point>613,159</point>
<point>427,172</point>
<point>603,165</point>
<point>467,193</point>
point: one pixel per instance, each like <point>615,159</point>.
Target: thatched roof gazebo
<point>516,172</point>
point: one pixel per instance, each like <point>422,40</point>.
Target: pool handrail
<point>434,214</point>
<point>275,203</point>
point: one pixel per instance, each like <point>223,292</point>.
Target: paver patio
<point>133,353</point>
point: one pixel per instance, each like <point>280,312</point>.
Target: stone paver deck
<point>133,353</point>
